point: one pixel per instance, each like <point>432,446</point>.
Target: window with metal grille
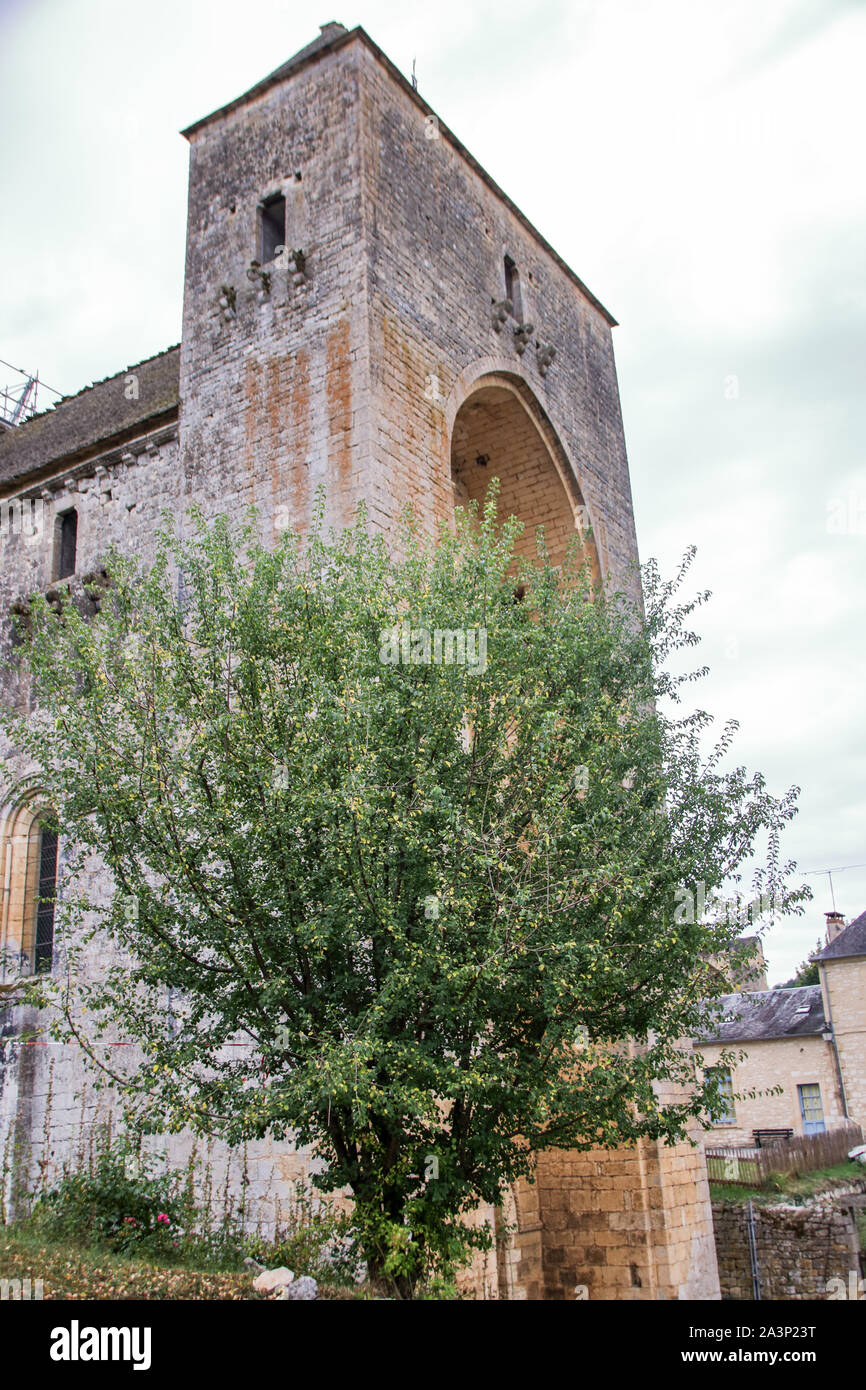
<point>43,932</point>
<point>723,1112</point>
<point>811,1108</point>
<point>67,544</point>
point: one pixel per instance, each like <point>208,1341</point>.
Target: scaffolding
<point>20,400</point>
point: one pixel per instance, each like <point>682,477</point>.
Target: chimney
<point>835,925</point>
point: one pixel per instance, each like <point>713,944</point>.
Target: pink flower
<point>130,1221</point>
<point>162,1217</point>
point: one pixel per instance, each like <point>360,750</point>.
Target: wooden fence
<point>800,1154</point>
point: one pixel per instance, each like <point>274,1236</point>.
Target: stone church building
<point>364,308</point>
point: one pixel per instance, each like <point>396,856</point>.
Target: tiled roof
<point>768,1013</point>
<point>99,415</point>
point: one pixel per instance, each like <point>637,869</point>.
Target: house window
<point>67,544</point>
<point>723,1112</point>
<point>811,1108</point>
<point>40,895</point>
<point>512,288</point>
<point>272,228</point>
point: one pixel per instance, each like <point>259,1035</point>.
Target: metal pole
<point>753,1256</point>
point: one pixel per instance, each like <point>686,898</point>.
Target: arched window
<point>40,894</point>
<point>29,866</point>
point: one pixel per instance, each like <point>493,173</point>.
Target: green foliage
<point>807,972</point>
<point>129,1203</point>
<point>70,1270</point>
<point>435,900</point>
<point>314,1238</point>
<point>147,1213</point>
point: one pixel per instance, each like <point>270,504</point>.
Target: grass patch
<point>122,1218</point>
<point>784,1187</point>
<point>70,1272</point>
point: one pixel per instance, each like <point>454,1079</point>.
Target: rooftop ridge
<point>331,37</point>
<point>73,395</point>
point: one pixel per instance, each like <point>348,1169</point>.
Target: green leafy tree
<point>437,898</point>
<point>807,972</point>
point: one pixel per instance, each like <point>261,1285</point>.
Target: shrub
<point>122,1205</point>
<point>316,1239</point>
<point>124,1202</point>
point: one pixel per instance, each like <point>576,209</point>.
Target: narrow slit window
<point>512,288</point>
<point>272,228</point>
<point>67,544</point>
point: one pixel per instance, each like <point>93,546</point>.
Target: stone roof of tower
<point>333,37</point>
<point>769,1013</point>
<point>98,417</point>
<point>850,942</point>
<point>328,35</point>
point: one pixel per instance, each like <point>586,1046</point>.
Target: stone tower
<point>414,323</point>
<point>364,309</point>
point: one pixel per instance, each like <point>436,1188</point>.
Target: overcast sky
<point>699,165</point>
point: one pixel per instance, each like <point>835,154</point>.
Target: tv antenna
<point>809,873</point>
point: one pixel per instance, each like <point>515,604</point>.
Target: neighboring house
<point>809,1041</point>
<point>842,967</point>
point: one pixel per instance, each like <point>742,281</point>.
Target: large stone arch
<point>493,413</point>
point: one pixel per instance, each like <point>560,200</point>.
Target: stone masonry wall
<point>438,235</point>
<point>494,425</point>
<point>353,378</point>
<point>629,1223</point>
<point>275,391</point>
<point>799,1249</point>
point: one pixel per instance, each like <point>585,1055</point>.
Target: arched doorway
<point>500,432</point>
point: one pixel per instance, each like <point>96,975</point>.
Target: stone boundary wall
<point>799,1249</point>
